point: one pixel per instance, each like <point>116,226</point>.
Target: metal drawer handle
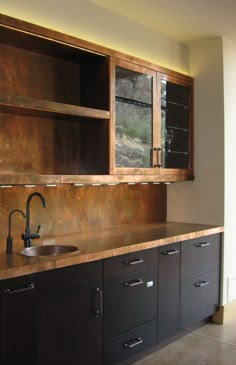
<point>133,262</point>
<point>133,283</point>
<point>98,304</point>
<point>21,290</point>
<point>202,283</point>
<point>203,244</point>
<point>170,252</point>
<point>132,343</point>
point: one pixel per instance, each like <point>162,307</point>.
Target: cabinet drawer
<point>69,277</point>
<point>200,255</point>
<point>130,343</point>
<point>199,298</point>
<point>131,262</point>
<point>129,301</point>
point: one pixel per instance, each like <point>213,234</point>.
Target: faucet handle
<point>38,229</point>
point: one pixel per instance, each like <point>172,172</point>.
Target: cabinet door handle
<point>98,302</point>
<point>203,244</point>
<point>159,157</point>
<point>202,283</point>
<point>133,262</point>
<point>133,283</point>
<point>132,343</point>
<point>21,290</point>
<point>170,252</point>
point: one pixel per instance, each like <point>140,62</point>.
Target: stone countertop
<point>101,244</point>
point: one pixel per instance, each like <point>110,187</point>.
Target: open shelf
<point>29,106</point>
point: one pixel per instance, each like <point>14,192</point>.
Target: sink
<point>48,250</point>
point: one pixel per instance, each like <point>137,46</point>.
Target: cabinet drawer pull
<point>203,244</point>
<point>21,290</point>
<point>159,157</point>
<point>202,283</point>
<point>132,343</point>
<point>133,283</point>
<point>133,262</point>
<point>98,304</point>
<point>170,252</point>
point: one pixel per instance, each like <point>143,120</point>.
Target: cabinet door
<point>176,123</point>
<point>18,322</point>
<point>129,301</point>
<point>199,298</point>
<point>133,113</point>
<point>169,291</point>
<point>70,326</point>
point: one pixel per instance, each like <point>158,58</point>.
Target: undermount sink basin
<point>48,250</point>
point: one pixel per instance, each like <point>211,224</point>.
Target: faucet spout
<point>28,236</point>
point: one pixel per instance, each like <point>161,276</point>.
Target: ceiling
<point>183,20</point>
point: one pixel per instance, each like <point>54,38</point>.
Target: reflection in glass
<point>133,119</point>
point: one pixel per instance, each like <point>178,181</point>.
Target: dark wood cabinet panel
<point>200,255</point>
<point>135,261</point>
<point>129,301</point>
<point>70,327</point>
<point>168,291</point>
<point>199,298</point>
<point>18,331</point>
<point>130,343</point>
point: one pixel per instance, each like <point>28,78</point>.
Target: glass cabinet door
<point>133,118</point>
<point>175,125</point>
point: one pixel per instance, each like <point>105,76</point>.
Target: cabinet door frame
<point>132,170</point>
<point>182,82</point>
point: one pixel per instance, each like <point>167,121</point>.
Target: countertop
<point>101,244</point>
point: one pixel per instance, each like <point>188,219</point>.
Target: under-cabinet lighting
<point>156,183</point>
<point>29,186</point>
<point>96,184</point>
<point>78,184</point>
<point>51,185</point>
<point>6,186</point>
<point>167,182</point>
<point>112,184</point>
<point>131,183</point>
<point>144,183</point>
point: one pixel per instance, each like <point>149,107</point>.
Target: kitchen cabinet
<point>200,279</point>
<point>130,304</point>
<point>151,121</point>
<point>18,331</point>
<point>81,112</point>
<point>168,291</point>
<point>70,315</point>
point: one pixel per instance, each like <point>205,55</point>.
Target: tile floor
<point>211,344</point>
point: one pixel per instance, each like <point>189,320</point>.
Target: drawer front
<point>200,255</point>
<point>199,298</point>
<point>130,343</point>
<point>69,277</point>
<point>131,262</point>
<point>129,301</point>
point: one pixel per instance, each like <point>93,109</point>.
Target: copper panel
<point>73,209</point>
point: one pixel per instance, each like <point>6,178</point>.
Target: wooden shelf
<point>28,179</point>
<point>30,106</point>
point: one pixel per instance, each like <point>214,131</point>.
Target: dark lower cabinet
<point>168,291</point>
<point>199,298</point>
<point>70,327</point>
<point>130,343</point>
<point>18,321</point>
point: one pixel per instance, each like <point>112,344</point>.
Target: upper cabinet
<point>76,112</point>
<point>151,121</point>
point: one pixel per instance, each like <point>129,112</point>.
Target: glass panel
<point>133,119</point>
<point>175,125</point>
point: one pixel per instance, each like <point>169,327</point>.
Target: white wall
<point>229,52</point>
<point>202,201</point>
<point>91,22</point>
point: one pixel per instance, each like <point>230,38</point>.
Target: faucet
<point>27,237</point>
<point>9,237</point>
